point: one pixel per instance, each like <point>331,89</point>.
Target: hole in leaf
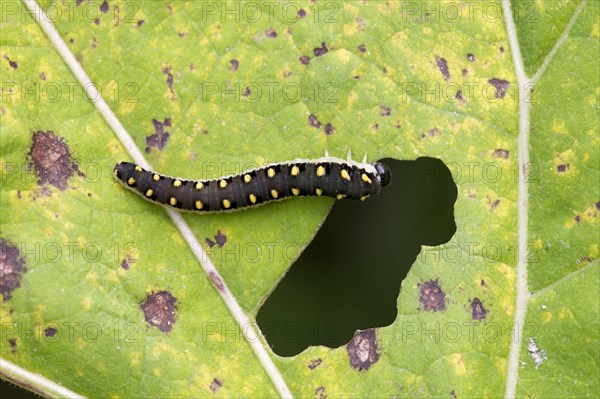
<point>349,277</point>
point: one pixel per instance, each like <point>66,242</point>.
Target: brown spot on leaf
<point>52,160</point>
<point>500,85</point>
<point>209,242</point>
<point>159,139</point>
<point>320,393</point>
<point>50,332</point>
<point>313,121</point>
<point>215,385</point>
<point>167,71</point>
<point>305,59</point>
<point>104,7</point>
<point>362,48</point>
<point>301,13</point>
<point>140,22</point>
<point>217,282</point>
<point>432,297</point>
<point>470,57</point>
<point>563,168</point>
<point>453,394</point>
<point>220,239</point>
<point>584,260</point>
<point>11,268</point>
<point>13,64</point>
<point>234,65</point>
<point>459,96</point>
<point>314,364</point>
<point>477,309</point>
<point>443,67</point>
<point>159,310</point>
<point>95,42</point>
<point>483,283</point>
<point>384,111</point>
<point>319,51</point>
<point>271,33</point>
<point>493,204</point>
<point>247,92</point>
<point>362,350</point>
<point>500,153</point>
<point>125,264</point>
<point>435,132</point>
<point>12,342</point>
<point>43,75</point>
<point>329,129</point>
<point>501,49</point>
<point>577,219</point>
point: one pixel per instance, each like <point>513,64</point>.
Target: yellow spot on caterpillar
<point>252,198</point>
<point>365,178</point>
<point>318,191</point>
<point>138,168</point>
<point>177,183</point>
<point>345,174</point>
<point>155,177</point>
<point>199,204</point>
<point>226,204</point>
<point>173,201</point>
<point>320,171</point>
<point>199,185</point>
<point>295,170</point>
<point>131,181</point>
<point>271,172</point>
<point>149,193</point>
<point>364,197</point>
<point>274,193</point>
<point>222,184</point>
<point>247,178</point>
<point>340,196</point>
<point>295,191</point>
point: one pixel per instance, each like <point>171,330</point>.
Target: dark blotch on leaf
<point>362,350</point>
<point>43,75</point>
<point>500,153</point>
<point>104,7</point>
<point>453,394</point>
<point>384,111</point>
<point>167,71</point>
<point>301,13</point>
<point>465,72</point>
<point>362,48</point>
<point>319,51</point>
<point>234,65</point>
<point>125,264</point>
<point>52,160</point>
<point>305,59</point>
<point>329,129</point>
<point>435,132</point>
<point>12,342</point>
<point>209,242</point>
<point>50,332</point>
<point>159,310</point>
<point>159,139</point>
<point>271,33</point>
<point>563,168</point>
<point>220,239</point>
<point>12,64</point>
<point>500,85</point>
<point>313,121</point>
<point>11,268</point>
<point>443,67</point>
<point>459,96</point>
<point>320,393</point>
<point>247,92</point>
<point>215,385</point>
<point>577,218</point>
<point>478,310</point>
<point>470,57</point>
<point>431,296</point>
<point>598,206</point>
<point>140,22</point>
<point>314,364</point>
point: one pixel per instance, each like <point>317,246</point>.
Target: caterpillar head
<point>385,175</point>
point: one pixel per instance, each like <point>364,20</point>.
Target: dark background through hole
<point>349,277</point>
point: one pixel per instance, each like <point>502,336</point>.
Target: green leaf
<point>101,293</point>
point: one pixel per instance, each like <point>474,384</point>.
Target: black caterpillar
<point>331,177</point>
